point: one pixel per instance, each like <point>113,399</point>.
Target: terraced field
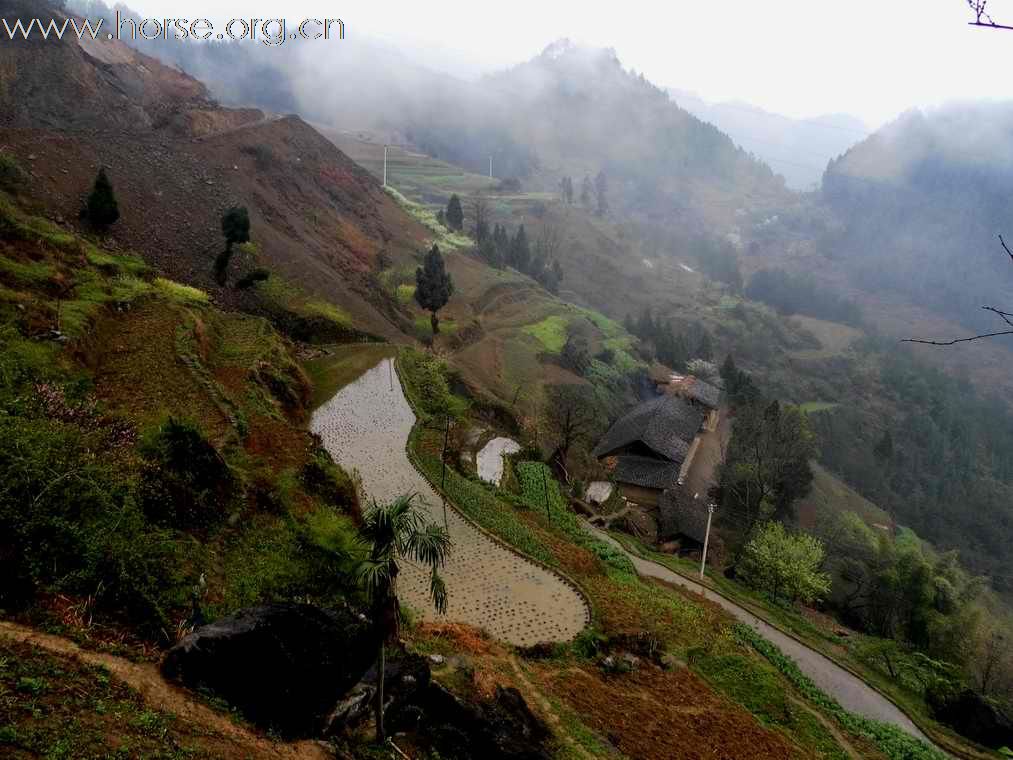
<point>365,427</point>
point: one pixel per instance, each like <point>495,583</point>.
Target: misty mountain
<point>570,111</point>
<point>920,204</point>
<point>797,149</point>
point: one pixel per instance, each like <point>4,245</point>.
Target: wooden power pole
<point>706,539</point>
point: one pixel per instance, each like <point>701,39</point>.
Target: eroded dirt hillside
<point>177,161</point>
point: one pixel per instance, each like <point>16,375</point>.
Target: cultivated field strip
<point>365,428</point>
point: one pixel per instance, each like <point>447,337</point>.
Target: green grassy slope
<point>157,441</point>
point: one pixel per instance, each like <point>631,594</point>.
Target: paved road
<point>850,691</point>
<point>365,428</point>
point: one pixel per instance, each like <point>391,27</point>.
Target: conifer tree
<point>236,229</point>
<point>433,286</point>
<point>102,208</point>
<point>455,213</point>
<point>520,251</point>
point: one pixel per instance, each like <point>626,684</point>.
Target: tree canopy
<point>433,285</point>
<point>455,213</point>
<point>785,565</point>
<point>393,534</point>
<point>236,229</point>
<point>102,208</point>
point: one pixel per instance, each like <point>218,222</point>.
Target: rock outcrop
<point>503,728</point>
<point>284,666</point>
<point>975,717</point>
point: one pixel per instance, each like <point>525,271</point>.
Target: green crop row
<point>894,742</point>
<point>540,491</point>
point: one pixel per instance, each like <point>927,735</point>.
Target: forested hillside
<point>919,206</point>
<point>797,149</point>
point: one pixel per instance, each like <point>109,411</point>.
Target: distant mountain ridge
<point>797,149</point>
<point>920,204</point>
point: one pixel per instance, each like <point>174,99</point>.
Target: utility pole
<point>706,539</point>
<point>490,167</point>
<point>385,166</point>
<point>443,482</point>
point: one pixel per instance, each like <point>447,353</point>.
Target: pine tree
<point>480,210</point>
<point>489,251</point>
<point>586,192</point>
<point>520,251</point>
<point>236,229</point>
<point>455,213</point>
<point>102,208</point>
<point>502,241</point>
<point>433,286</point>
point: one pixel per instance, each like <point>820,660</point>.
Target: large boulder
<point>974,716</point>
<point>284,665</point>
<point>503,728</point>
<point>407,676</point>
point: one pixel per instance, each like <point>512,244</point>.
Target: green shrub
<point>179,292</point>
<point>69,523</point>
<point>251,279</point>
<point>187,483</point>
<point>12,176</point>
<point>538,485</point>
<point>426,379</point>
<point>324,479</point>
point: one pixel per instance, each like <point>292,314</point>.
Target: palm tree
<point>395,533</point>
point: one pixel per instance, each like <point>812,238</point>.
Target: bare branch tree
<point>978,7</point>
<point>549,243</point>
<point>480,213</point>
<point>1005,316</point>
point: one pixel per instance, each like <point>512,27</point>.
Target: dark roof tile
<point>680,514</point>
<point>646,472</point>
<point>666,424</point>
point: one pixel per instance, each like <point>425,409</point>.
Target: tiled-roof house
<point>679,514</point>
<point>650,447</point>
<point>650,450</point>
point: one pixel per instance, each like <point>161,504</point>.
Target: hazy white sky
<point>869,58</point>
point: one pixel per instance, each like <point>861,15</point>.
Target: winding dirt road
<point>365,427</point>
<point>850,691</point>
